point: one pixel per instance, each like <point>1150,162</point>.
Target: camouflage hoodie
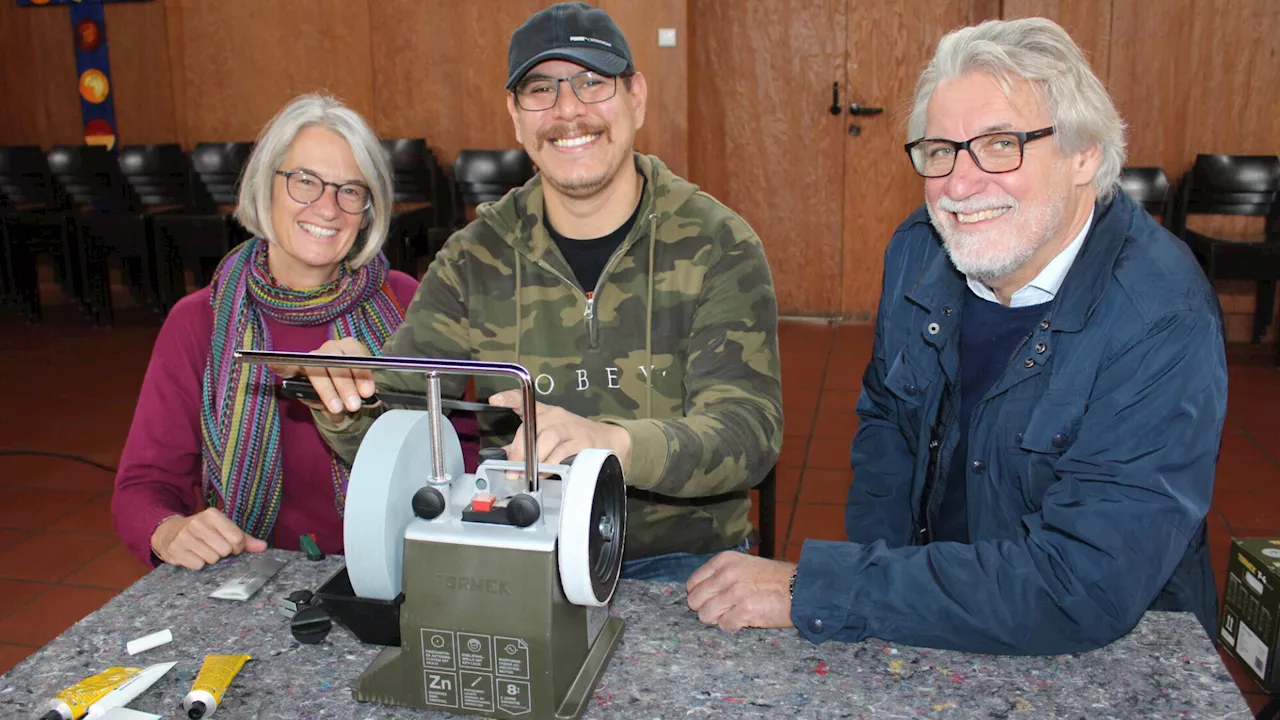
<point>677,344</point>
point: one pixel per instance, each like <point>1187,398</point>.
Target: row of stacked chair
<point>161,212</point>
<point>1240,185</point>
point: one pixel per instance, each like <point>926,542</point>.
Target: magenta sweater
<point>160,466</point>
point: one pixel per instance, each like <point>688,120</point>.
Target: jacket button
<point>946,311</point>
<point>934,328</point>
<point>1029,363</point>
<point>1059,440</point>
<point>1040,348</point>
<point>979,467</point>
<point>815,626</point>
<point>1018,438</point>
<point>1044,324</point>
<point>910,389</point>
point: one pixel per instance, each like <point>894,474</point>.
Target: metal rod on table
<point>407,364</point>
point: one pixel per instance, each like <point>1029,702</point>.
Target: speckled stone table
<point>668,665</point>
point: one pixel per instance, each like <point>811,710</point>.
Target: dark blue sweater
<point>989,335</point>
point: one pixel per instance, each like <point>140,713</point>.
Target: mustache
<point>561,130</point>
<point>978,204</point>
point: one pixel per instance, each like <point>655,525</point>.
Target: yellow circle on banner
<point>39,2</point>
<point>94,86</point>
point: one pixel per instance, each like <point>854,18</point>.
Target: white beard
<point>996,252</point>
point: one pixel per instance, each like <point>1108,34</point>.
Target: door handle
<point>856,109</point>
<point>835,98</point>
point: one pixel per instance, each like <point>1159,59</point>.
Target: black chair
<point>1235,185</point>
<point>766,512</point>
<point>201,235</point>
<point>168,189</point>
<point>35,219</point>
<point>1148,187</point>
<point>107,217</point>
<point>422,204</point>
<point>486,175</point>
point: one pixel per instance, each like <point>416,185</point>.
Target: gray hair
<point>253,208</point>
<point>1038,51</point>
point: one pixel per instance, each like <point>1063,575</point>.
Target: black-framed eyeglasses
<point>998,152</point>
<point>541,93</point>
<point>306,187</point>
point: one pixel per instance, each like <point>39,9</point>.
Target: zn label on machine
<point>467,671</point>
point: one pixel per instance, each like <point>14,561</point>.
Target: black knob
<point>522,510</point>
<point>428,503</point>
<point>856,109</point>
<point>492,453</point>
<point>311,625</point>
<point>301,597</point>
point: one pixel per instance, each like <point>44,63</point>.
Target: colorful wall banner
<point>89,33</point>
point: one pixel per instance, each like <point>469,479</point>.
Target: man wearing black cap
<point>643,307</point>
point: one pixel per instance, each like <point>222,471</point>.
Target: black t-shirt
<point>587,258</point>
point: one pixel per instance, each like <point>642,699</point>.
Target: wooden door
<point>762,140</point>
<point>889,44</point>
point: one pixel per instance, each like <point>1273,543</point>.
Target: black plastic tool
<point>300,388</point>
<point>311,625</point>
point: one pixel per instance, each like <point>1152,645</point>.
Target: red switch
<point>483,502</point>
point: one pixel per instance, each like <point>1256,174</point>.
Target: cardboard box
<point>1250,619</point>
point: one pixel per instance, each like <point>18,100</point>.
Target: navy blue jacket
<point>1091,459</point>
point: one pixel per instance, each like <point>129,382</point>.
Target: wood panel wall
<point>782,170</point>
<point>235,63</point>
<point>1187,75</point>
<point>38,100</point>
<point>189,71</point>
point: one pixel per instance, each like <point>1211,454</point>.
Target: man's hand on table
<point>735,590</point>
<point>561,434</point>
<point>201,539</point>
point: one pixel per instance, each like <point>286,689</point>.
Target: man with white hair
<point>1041,416</point>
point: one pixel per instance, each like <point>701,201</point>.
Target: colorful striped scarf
<point>239,414</point>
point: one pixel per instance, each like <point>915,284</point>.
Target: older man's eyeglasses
<point>306,187</point>
<point>541,93</point>
<point>999,152</point>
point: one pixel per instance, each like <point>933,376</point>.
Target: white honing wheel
<point>393,462</point>
<point>578,495</point>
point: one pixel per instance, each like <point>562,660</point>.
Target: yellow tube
<point>215,676</point>
<point>72,703</point>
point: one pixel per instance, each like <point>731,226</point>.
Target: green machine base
<point>487,631</point>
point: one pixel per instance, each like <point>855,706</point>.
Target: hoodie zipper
<point>589,303</point>
<point>935,451</point>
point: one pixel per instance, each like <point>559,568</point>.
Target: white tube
<point>129,689</point>
<point>124,713</point>
<point>147,642</point>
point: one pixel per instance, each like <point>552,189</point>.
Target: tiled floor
<point>71,389</point>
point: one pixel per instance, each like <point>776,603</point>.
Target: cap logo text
<point>584,38</point>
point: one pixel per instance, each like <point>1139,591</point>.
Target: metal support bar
<point>430,365</point>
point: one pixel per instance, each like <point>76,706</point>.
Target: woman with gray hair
<point>316,195</point>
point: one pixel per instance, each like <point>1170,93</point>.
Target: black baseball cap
<point>572,31</point>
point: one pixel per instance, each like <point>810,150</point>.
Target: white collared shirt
<point>1043,287</point>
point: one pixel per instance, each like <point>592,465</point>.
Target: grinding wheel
<point>394,460</point>
<point>593,524</point>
